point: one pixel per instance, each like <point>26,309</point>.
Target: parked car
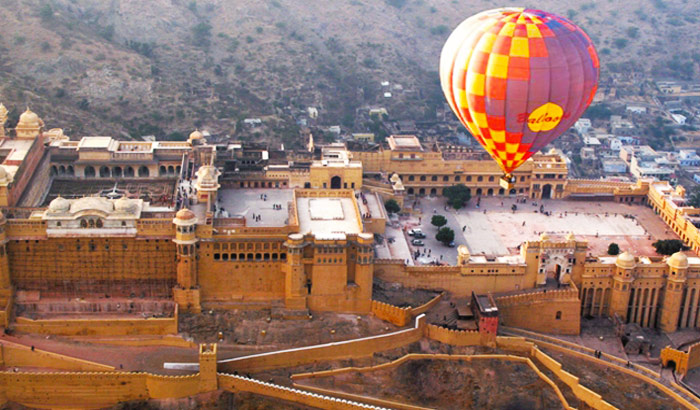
<point>419,235</point>
<point>452,244</point>
<point>417,242</point>
<point>414,231</point>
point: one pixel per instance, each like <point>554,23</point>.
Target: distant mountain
<point>163,67</point>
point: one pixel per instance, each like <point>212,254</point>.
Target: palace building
<point>98,225</point>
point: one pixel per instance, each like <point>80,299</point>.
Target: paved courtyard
<point>495,229</point>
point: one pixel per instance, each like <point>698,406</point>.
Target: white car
<point>414,231</point>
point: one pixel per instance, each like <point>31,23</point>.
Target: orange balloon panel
<point>517,79</point>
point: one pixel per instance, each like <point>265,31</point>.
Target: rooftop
<point>328,218</point>
<point>245,203</point>
<point>404,143</point>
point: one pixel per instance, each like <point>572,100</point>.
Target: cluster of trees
<point>457,196</point>
<point>669,246</point>
<point>444,233</point>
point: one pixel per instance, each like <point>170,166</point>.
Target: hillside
<point>163,67</point>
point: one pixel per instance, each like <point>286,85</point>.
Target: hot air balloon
<point>517,79</point>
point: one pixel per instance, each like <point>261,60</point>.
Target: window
<point>558,317</point>
<point>445,178</point>
<point>411,177</point>
<point>479,179</point>
<point>217,256</point>
<point>491,178</point>
<point>433,178</point>
<point>469,178</point>
<point>422,177</point>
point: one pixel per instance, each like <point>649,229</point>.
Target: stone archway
<point>336,182</point>
<point>547,191</point>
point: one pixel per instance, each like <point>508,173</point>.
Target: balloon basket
<point>507,182</point>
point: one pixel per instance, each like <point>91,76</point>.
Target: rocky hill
<point>163,67</point>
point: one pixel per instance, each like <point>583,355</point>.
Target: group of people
<point>184,196</point>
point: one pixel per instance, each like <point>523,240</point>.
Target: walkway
<point>666,378</point>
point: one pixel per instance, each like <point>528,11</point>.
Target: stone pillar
<point>207,368</point>
<point>295,286</point>
<point>186,292</point>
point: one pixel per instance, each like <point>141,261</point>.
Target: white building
<point>582,126</point>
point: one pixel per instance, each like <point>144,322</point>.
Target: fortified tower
<point>622,285</point>
<point>297,287</point>
<point>186,293</point>
<point>364,272</point>
<point>207,367</point>
<point>207,185</point>
<point>671,308</point>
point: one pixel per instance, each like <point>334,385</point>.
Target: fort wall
<point>114,266</point>
<point>460,281</point>
<point>13,354</point>
<point>554,311</point>
<point>99,327</point>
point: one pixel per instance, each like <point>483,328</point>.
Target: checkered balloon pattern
<point>517,79</point>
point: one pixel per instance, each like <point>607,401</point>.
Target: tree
<point>438,220</point>
<point>202,34</point>
<point>392,206</point>
<point>457,195</point>
<point>669,246</point>
<point>613,249</point>
<point>445,235</point>
<point>46,12</point>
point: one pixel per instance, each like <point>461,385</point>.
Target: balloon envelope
<point>517,79</point>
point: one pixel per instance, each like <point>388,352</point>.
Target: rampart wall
<point>457,280</point>
<point>553,311</point>
<point>85,266</point>
<point>401,316</point>
<point>99,327</point>
<point>13,354</point>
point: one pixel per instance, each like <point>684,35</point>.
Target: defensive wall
<point>100,389</point>
<point>99,327</point>
<point>401,316</point>
<point>460,281</point>
<point>684,361</point>
<point>550,311</point>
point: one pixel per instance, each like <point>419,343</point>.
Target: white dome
<point>59,204</point>
<point>29,119</point>
<point>125,204</point>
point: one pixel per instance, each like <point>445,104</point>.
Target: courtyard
<point>491,226</point>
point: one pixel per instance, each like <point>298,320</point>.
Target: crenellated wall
<point>390,313</point>
<point>99,327</point>
<point>553,311</point>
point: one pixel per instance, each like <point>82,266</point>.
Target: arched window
<point>89,171</point>
<point>558,315</point>
<point>143,171</point>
